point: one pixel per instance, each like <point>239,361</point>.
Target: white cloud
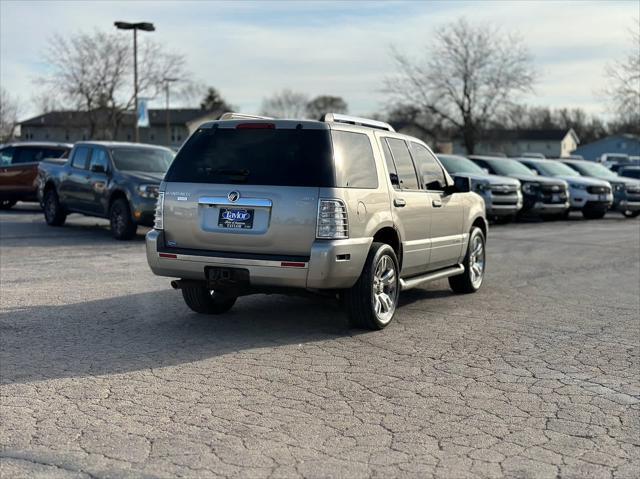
<point>250,50</point>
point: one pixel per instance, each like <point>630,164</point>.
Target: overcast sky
<point>249,50</point>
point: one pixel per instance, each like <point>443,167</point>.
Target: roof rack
<point>242,116</point>
<point>355,120</point>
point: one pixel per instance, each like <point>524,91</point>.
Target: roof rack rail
<point>355,120</point>
<point>242,116</point>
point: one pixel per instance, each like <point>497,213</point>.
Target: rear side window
<point>393,174</point>
<point>6,154</point>
<point>80,157</point>
<point>32,154</point>
<point>431,171</point>
<point>256,156</point>
<point>404,165</point>
<point>354,162</point>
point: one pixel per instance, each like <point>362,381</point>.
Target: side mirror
<point>98,169</point>
<point>461,184</point>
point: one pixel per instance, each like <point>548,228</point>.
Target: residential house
<point>626,144</point>
<point>71,126</point>
<point>552,143</point>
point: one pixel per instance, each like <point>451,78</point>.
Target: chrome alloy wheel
<point>476,261</point>
<point>385,289</point>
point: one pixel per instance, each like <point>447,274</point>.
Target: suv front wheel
<point>122,225</point>
<point>474,265</point>
<point>371,302</point>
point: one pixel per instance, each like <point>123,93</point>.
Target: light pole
<point>167,83</point>
<point>145,27</point>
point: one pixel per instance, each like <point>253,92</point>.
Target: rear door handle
<point>399,202</point>
<point>436,203</point>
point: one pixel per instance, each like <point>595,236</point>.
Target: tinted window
<point>354,162</point>
<point>31,154</point>
<point>459,164</point>
<point>404,165</point>
<point>148,160</point>
<point>432,174</point>
<point>264,156</point>
<point>393,174</point>
<point>80,157</point>
<point>5,155</point>
<point>99,157</point>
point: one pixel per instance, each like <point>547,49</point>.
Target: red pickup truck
<point>19,169</point>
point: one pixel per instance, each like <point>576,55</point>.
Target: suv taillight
<point>158,222</point>
<point>333,222</point>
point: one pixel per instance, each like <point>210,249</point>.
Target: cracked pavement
<point>106,373</point>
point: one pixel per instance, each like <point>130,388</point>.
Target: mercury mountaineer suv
<point>344,207</point>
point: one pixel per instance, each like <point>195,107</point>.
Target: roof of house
<point>70,118</point>
<point>543,134</point>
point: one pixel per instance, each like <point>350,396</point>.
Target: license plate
<point>555,198</point>
<point>603,197</point>
<point>236,218</point>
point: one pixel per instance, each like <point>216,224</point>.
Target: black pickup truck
<point>114,180</point>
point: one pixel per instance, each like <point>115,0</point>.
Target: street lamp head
<point>145,26</point>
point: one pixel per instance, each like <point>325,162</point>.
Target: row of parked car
<point>119,181</point>
<point>550,188</point>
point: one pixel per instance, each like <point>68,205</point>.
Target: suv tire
<point>54,213</point>
<point>594,213</point>
<point>205,301</point>
<point>372,301</point>
<point>630,214</point>
<point>474,265</point>
<point>122,225</point>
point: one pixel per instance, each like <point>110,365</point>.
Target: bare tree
<point>470,75</point>
<point>94,71</point>
<point>9,111</point>
<point>285,104</point>
<point>326,104</point>
<point>624,83</point>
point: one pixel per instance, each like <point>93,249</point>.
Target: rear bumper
<point>332,264</point>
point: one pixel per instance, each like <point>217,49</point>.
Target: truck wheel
<point>474,265</point>
<point>631,214</point>
<point>371,302</point>
<point>205,301</point>
<point>54,213</point>
<point>7,204</point>
<point>122,225</point>
<point>594,213</point>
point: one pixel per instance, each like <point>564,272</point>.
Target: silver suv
<point>346,207</point>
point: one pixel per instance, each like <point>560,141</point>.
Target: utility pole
<point>145,27</point>
<point>167,84</point>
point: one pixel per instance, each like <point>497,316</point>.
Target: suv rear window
<point>261,156</point>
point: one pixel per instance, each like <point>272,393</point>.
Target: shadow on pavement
<point>152,330</point>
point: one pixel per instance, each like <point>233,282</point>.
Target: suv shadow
<point>151,330</point>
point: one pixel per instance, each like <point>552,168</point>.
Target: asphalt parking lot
<point>106,373</point>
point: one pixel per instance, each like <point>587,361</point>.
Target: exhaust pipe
<point>186,283</point>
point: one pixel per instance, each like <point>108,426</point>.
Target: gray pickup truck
<point>345,206</point>
<point>118,181</point>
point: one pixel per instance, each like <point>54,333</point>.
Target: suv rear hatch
<point>248,187</point>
